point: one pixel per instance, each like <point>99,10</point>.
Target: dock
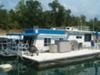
<point>50,59</point>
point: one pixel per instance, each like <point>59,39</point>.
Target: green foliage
<point>30,13</point>
<point>59,14</point>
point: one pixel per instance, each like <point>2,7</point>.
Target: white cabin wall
<point>73,37</point>
<point>86,44</point>
<point>52,41</point>
<point>39,44</point>
<point>80,40</point>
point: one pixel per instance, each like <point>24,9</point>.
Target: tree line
<point>31,13</point>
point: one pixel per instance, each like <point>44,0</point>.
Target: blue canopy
<point>44,31</point>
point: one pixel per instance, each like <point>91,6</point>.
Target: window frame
<point>87,37</point>
<point>47,41</point>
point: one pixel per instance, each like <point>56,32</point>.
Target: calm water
<point>84,68</point>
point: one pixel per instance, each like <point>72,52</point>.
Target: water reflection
<point>85,68</point>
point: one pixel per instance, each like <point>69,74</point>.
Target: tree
<point>59,14</point>
<point>3,18</point>
<point>96,24</point>
<point>29,14</point>
<point>13,23</point>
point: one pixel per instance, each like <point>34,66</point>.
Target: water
<point>91,67</point>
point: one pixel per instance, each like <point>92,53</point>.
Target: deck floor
<point>54,56</point>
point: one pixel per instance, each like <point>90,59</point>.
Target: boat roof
<point>77,32</point>
<point>30,32</point>
<point>44,31</point>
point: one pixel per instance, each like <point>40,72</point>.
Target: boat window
<point>78,37</point>
<point>68,28</point>
<point>61,39</point>
<point>87,37</point>
<point>47,41</point>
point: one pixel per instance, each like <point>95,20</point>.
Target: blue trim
<point>96,34</point>
<point>44,31</point>
<point>30,32</point>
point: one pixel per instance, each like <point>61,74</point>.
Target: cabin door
<point>29,39</point>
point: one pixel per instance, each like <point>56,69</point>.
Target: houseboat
<point>41,39</point>
<point>45,47</point>
<point>66,51</point>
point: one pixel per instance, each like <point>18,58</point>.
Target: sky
<point>9,4</point>
<point>89,8</point>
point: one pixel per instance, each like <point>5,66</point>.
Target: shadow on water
<point>90,67</point>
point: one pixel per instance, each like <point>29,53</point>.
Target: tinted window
<point>47,41</point>
<point>87,37</point>
<point>78,37</point>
